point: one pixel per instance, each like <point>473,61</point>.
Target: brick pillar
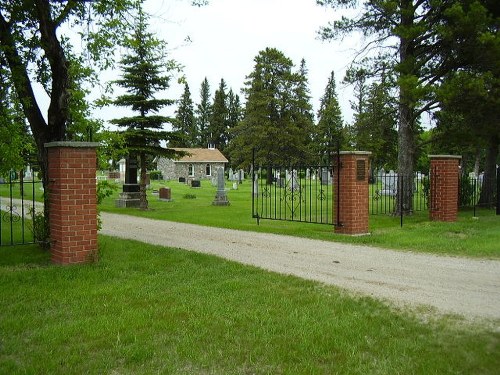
<point>72,201</point>
<point>351,194</point>
<point>444,175</point>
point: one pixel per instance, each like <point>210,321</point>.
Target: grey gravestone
<point>220,196</point>
<point>326,177</point>
<point>231,177</point>
<point>389,184</point>
<point>292,181</point>
<point>256,183</point>
<point>241,175</point>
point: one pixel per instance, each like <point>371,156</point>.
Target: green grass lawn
<point>146,309</point>
<point>469,236</point>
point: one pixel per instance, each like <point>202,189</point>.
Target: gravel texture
<point>468,287</point>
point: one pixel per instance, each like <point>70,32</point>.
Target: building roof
<point>207,155</point>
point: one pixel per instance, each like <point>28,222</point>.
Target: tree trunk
<point>143,205</point>
<point>487,197</point>
<point>406,131</point>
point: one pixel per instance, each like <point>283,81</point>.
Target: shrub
<point>155,175</point>
<point>40,229</point>
<point>189,196</point>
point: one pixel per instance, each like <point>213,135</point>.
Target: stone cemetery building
<point>200,164</point>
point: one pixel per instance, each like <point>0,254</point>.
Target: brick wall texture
<point>444,188</point>
<point>353,195</point>
<point>73,204</point>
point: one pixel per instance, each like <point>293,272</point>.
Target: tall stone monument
<point>130,197</point>
<point>221,195</point>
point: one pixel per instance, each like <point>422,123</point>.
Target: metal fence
<point>386,187</point>
<point>17,205</point>
<point>479,191</point>
<point>302,194</point>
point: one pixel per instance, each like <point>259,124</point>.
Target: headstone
<point>326,177</point>
<point>28,173</point>
<point>182,179</point>
<point>220,196</point>
<point>256,183</point>
<point>231,176</point>
<point>130,197</point>
<point>241,175</point>
<point>165,194</point>
<point>195,183</point>
<point>308,174</point>
<point>389,184</point>
<point>121,168</point>
<point>292,181</point>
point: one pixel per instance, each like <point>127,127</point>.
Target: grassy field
<point>470,236</point>
<point>145,309</point>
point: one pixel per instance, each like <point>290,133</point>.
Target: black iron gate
<point>294,193</point>
<point>17,205</point>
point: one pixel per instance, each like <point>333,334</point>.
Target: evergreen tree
<point>203,113</point>
<point>143,78</point>
<point>235,113</point>
<point>185,122</point>
<point>416,59</point>
<point>329,131</point>
<point>375,119</point>
<point>218,127</point>
<point>303,111</point>
<point>272,124</point>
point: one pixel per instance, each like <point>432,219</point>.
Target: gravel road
<point>467,287</point>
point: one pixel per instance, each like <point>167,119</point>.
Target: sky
<point>222,39</point>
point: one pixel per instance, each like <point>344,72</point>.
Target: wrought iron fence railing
<point>385,188</point>
<point>479,192</point>
<point>17,199</point>
<point>293,193</point>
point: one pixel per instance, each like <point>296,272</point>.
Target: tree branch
<point>58,108</point>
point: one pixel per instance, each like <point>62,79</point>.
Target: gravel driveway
<point>467,287</point>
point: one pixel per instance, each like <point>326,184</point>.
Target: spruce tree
<point>273,122</point>
<point>218,127</point>
<point>329,131</point>
<point>143,78</point>
<point>203,113</point>
<point>185,122</point>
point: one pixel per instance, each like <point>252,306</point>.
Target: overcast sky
<point>221,40</point>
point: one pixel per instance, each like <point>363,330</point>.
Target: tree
<point>203,113</point>
<point>329,131</point>
<point>143,78</point>
<point>469,96</point>
<point>35,50</point>
<point>273,124</point>
<point>375,118</point>
<point>218,126</point>
<point>235,113</point>
<point>416,58</point>
<point>185,122</point>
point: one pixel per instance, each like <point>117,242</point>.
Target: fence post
<point>73,201</point>
<point>352,198</point>
<point>444,187</point>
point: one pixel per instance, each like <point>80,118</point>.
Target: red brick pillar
<point>72,201</point>
<point>444,175</point>
<point>351,192</point>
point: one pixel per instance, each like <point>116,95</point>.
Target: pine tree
<point>273,123</point>
<point>329,131</point>
<point>218,128</point>
<point>185,122</point>
<point>235,113</point>
<point>143,78</point>
<point>203,113</point>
